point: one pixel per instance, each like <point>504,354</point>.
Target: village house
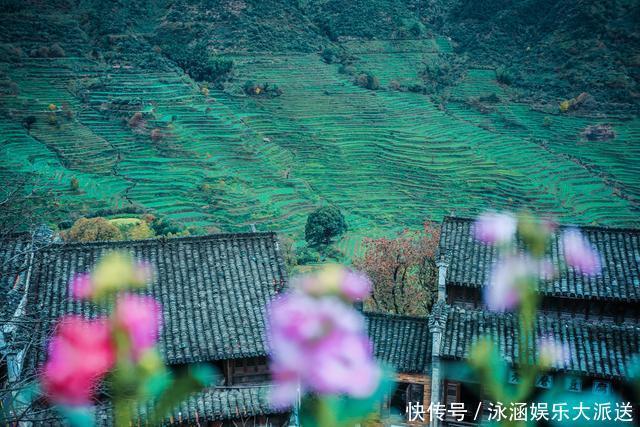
<point>597,318</point>
<point>214,290</point>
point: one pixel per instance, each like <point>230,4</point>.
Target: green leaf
<point>337,410</point>
<point>557,395</point>
<point>78,416</point>
<point>194,379</point>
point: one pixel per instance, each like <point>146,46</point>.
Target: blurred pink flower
<point>319,345</point>
<point>80,354</point>
<point>495,228</point>
<point>553,353</point>
<point>334,280</point>
<point>143,273</point>
<point>81,286</point>
<point>355,286</point>
<point>140,316</point>
<point>579,254</point>
<point>340,356</point>
<point>509,275</point>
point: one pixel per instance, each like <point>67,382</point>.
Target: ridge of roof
<point>565,322</point>
<point>164,240</point>
<point>470,262</point>
<point>392,316</point>
<point>451,218</point>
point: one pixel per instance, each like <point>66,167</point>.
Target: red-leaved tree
<point>402,270</point>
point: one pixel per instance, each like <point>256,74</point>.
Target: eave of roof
<point>595,349</point>
<point>402,341</point>
<point>470,261</point>
<point>210,405</point>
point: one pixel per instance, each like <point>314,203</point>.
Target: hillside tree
<point>402,270</point>
<point>323,225</point>
<point>91,229</point>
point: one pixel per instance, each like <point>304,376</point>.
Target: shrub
<point>253,89</point>
<point>136,120</point>
<point>156,135</point>
<point>504,76</point>
<point>68,112</point>
<point>91,229</point>
<point>288,252</point>
<point>41,52</point>
<point>368,81</point>
<point>196,62</point>
<point>249,87</point>
<point>9,53</point>
<point>12,88</point>
<point>328,55</point>
<point>417,29</point>
<point>28,122</point>
<point>52,118</point>
<point>346,69</point>
<point>215,69</point>
<point>56,51</point>
<point>166,227</point>
<point>491,99</point>
<point>140,231</point>
<point>307,255</point>
<point>443,71</point>
<point>323,225</point>
<point>74,184</point>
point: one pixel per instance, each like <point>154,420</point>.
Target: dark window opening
<point>249,370</point>
<point>405,393</point>
<point>468,395</point>
<point>4,373</point>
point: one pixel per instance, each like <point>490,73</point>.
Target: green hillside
<point>136,130</point>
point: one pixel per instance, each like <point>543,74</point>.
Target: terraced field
<point>388,159</point>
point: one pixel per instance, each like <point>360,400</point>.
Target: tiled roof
<point>402,341</point>
<point>470,262</point>
<point>213,289</point>
<point>215,404</point>
<point>597,349</point>
<point>15,252</point>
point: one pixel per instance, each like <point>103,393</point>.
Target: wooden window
<point>405,393</point>
<point>249,370</point>
<point>452,392</point>
<point>415,393</point>
<point>467,396</point>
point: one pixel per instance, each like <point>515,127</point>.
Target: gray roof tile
<point>402,341</point>
<point>597,349</point>
<point>213,289</point>
<point>470,262</point>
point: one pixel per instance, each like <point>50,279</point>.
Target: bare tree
<point>25,205</point>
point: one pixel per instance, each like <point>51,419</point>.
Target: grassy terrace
<point>388,159</point>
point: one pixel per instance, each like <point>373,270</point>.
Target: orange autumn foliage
<point>402,270</point>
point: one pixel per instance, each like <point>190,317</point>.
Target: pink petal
<point>495,228</point>
<point>81,286</point>
<point>140,316</point>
